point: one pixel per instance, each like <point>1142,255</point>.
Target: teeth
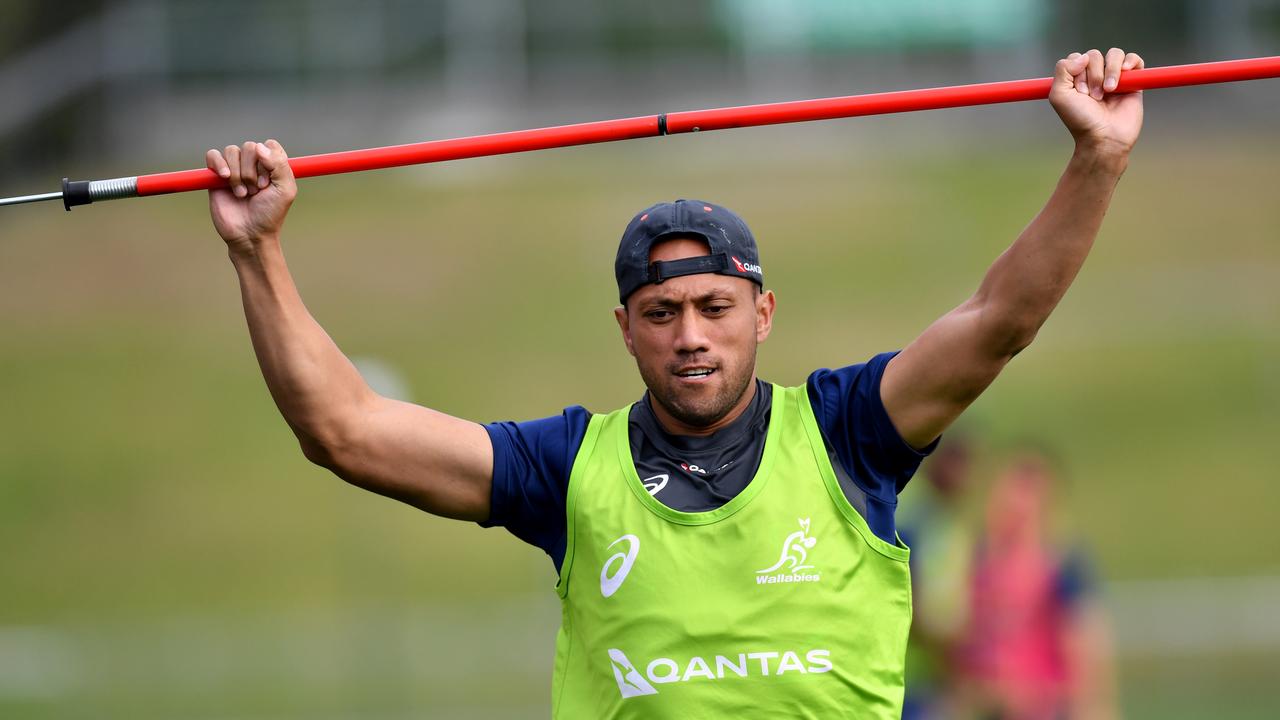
<point>696,373</point>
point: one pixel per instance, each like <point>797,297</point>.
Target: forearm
<point>313,384</point>
<point>1026,283</point>
<point>937,376</point>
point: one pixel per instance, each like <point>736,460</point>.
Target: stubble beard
<point>695,412</point>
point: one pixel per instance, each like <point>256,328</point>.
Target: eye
<point>716,309</point>
<point>658,315</point>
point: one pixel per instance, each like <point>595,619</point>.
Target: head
<point>1021,502</point>
<point>947,470</point>
<point>690,318</point>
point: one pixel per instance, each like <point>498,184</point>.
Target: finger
<point>215,162</point>
<point>1075,66</point>
<point>264,174</point>
<point>249,166</point>
<point>232,153</point>
<point>281,170</point>
<point>267,164</point>
<point>1133,61</point>
<point>1094,74</point>
<point>1062,73</point>
<point>1111,69</point>
<point>265,158</point>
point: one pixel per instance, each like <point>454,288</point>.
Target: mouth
<point>695,374</point>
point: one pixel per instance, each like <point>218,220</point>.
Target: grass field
<point>169,553</point>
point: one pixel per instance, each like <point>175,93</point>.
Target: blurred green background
<point>168,553</point>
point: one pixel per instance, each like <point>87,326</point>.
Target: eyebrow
<point>725,293</point>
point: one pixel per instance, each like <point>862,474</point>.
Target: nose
<point>691,333</point>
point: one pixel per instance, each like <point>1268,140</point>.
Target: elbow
<point>1010,330</point>
<point>318,453</point>
<point>1017,339</point>
<point>330,447</point>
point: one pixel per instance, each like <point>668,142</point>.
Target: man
<point>755,571</point>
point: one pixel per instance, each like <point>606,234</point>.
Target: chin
<point>691,409</point>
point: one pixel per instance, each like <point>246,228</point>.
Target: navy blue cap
<point>733,248</point>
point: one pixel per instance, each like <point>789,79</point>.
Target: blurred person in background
<point>1038,644</point>
<point>934,523</point>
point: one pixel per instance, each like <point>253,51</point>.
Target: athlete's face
<point>694,339</point>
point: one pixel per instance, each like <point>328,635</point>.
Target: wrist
<point>1101,154</point>
<point>253,251</point>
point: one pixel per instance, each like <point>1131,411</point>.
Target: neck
<point>675,426</point>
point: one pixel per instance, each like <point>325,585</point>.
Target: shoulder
<point>531,465</point>
<point>832,389</point>
<point>846,403</point>
<point>1075,579</point>
<point>536,438</point>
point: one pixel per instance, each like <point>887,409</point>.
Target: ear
<point>765,305</point>
<point>624,324</point>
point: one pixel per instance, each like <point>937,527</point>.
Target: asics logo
<point>609,584</point>
<point>654,484</point>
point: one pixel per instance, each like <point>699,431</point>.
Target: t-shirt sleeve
<point>531,465</point>
<point>858,430</point>
<point>1075,581</point>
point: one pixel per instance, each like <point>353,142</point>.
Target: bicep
<point>927,385</point>
<point>433,461</point>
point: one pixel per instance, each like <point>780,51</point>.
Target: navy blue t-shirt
<point>532,460</point>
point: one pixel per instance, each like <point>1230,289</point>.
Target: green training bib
<point>780,603</point>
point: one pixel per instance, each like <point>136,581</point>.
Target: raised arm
<point>425,458</point>
<point>928,384</point>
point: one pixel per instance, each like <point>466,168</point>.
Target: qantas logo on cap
<point>746,267</point>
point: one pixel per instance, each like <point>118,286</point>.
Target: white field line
<point>1195,616</point>
<point>443,647</point>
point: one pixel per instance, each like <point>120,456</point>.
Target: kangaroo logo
<point>795,551</point>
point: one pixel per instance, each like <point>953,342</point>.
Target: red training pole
<point>84,192</point>
<point>960,95</point>
<point>424,152</point>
